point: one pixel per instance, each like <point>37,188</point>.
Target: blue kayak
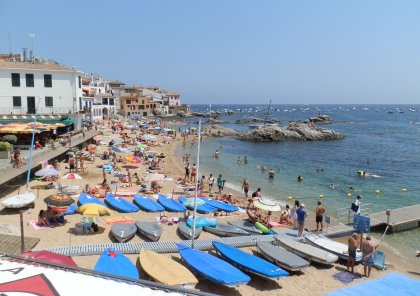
<point>147,204</point>
<point>120,204</point>
<point>171,205</point>
<point>203,209</point>
<point>220,205</point>
<point>89,199</point>
<point>212,268</point>
<point>248,262</point>
<point>113,262</point>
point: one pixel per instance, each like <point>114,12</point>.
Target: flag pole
<point>196,184</point>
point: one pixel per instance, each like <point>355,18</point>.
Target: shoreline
<point>317,281</point>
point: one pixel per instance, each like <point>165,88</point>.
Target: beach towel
<point>345,277</point>
<point>35,226</point>
<point>119,220</point>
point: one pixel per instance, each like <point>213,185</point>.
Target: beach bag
<point>354,208</point>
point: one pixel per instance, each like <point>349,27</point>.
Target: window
<point>111,102</point>
<point>29,80</point>
<point>15,79</point>
<point>128,102</point>
<point>79,80</point>
<point>48,101</point>
<point>47,80</point>
<point>147,106</point>
<point>17,102</point>
<point>141,107</point>
<point>142,101</point>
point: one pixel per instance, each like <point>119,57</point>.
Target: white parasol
<point>267,205</point>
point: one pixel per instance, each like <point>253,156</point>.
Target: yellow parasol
<point>93,210</point>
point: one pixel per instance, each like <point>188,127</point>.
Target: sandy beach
<point>315,280</point>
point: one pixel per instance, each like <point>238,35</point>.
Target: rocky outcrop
<point>321,118</point>
<point>220,131</point>
<point>256,120</point>
<point>295,131</point>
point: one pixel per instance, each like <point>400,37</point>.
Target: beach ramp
<point>23,277</point>
<point>398,283</point>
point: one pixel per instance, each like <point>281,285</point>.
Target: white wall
<point>64,89</point>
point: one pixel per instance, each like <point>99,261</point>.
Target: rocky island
<point>294,131</point>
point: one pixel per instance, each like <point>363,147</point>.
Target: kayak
<point>147,204</point>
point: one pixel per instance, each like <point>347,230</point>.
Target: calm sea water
<point>377,141</point>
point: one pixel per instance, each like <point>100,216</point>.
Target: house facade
<point>39,84</point>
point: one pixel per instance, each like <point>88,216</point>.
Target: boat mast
<point>196,184</point>
<point>266,114</point>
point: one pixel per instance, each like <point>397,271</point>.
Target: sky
<point>232,51</point>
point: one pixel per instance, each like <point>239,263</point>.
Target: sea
<point>382,140</point>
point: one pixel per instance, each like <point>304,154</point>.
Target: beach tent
<point>47,172</point>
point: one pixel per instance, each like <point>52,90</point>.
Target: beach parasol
<point>130,167</point>
<point>267,205</point>
<point>154,177</point>
<point>59,200</point>
<point>50,257</point>
<point>47,172</point>
<point>93,210</point>
<point>70,153</point>
<point>71,177</point>
<point>59,124</point>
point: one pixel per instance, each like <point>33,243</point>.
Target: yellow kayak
<point>165,270</point>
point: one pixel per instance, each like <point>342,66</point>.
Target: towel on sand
<point>345,277</point>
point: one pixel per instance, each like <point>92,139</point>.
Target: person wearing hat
<point>301,215</point>
<point>352,248</point>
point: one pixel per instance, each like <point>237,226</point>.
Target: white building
<point>41,84</point>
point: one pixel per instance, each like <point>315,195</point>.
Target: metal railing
<point>345,215</point>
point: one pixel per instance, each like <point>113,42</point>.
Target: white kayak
<point>19,201</point>
<point>339,249</point>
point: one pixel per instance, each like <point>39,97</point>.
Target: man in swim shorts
<point>352,247</point>
<point>368,250</point>
<point>320,210</point>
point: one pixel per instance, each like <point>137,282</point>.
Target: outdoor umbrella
<point>154,177</point>
<point>70,153</point>
<point>93,210</point>
<point>267,205</point>
<point>49,171</point>
<point>71,177</point>
<point>59,200</point>
<point>50,257</point>
<point>130,167</point>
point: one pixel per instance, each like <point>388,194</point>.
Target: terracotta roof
<point>33,66</point>
<point>172,94</point>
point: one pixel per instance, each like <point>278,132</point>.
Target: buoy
<point>404,190</point>
<point>349,194</point>
<point>290,197</point>
<point>321,196</point>
<point>377,192</point>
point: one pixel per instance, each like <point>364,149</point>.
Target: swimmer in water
<point>271,173</point>
<point>300,178</point>
<point>239,160</point>
<point>245,160</point>
<point>263,169</point>
<point>216,154</point>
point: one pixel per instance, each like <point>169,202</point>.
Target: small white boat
<point>19,201</point>
<point>339,249</point>
<point>306,251</point>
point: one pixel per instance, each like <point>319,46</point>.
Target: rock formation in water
<point>321,118</point>
<point>295,131</point>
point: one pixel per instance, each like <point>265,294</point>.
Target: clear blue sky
<point>233,51</point>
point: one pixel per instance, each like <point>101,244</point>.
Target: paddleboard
<point>247,226</point>
<point>220,205</point>
<point>165,270</point>
<point>226,230</point>
<point>186,231</point>
<point>114,262</point>
<point>281,257</point>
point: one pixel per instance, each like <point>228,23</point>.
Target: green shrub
<point>4,146</point>
<point>11,139</point>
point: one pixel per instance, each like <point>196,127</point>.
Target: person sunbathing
<point>285,219</point>
<point>42,220</point>
<point>164,218</point>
